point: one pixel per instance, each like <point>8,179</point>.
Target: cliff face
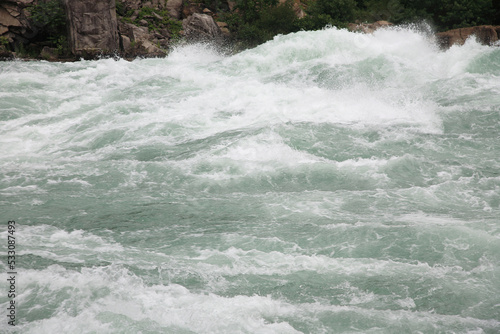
<point>92,27</point>
<point>14,24</point>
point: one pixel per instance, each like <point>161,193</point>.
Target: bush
<point>49,17</point>
<point>259,21</point>
<point>278,19</point>
<point>173,26</point>
<point>451,14</point>
<point>464,13</point>
<point>329,12</point>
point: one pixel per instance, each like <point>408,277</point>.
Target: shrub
<point>451,14</point>
<point>173,26</point>
<point>329,12</point>
<point>278,19</point>
<point>49,17</point>
<point>4,41</point>
<point>259,21</point>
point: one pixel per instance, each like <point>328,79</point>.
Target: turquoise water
<point>324,182</point>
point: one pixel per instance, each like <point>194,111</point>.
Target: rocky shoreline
<point>126,28</point>
<point>135,28</point>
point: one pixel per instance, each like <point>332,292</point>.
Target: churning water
<point>324,182</point>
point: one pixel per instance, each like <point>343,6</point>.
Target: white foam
<point>121,300</point>
<point>111,299</point>
<point>89,96</point>
<point>235,261</point>
<point>75,246</point>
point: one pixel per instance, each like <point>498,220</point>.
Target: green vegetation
<point>155,23</point>
<point>329,12</point>
<point>157,19</point>
<point>4,41</point>
<point>259,20</point>
<point>450,14</point>
<point>256,21</point>
<point>50,20</point>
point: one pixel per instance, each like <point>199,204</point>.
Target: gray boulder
<point>201,27</point>
<point>174,8</point>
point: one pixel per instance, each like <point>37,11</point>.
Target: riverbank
<point>62,30</point>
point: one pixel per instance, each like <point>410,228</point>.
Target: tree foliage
<point>258,21</point>
<point>444,15</point>
<point>449,14</point>
<point>49,18</point>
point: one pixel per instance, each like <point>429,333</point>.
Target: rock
<point>24,3</point>
<point>231,5</point>
<point>92,27</point>
<point>158,17</point>
<point>138,33</point>
<point>4,53</point>
<point>201,26</point>
<point>49,53</point>
<point>485,35</point>
<point>134,4</point>
<point>159,4</point>
<point>190,9</point>
<point>12,9</point>
<point>368,28</point>
<point>152,50</point>
<point>379,24</point>
<point>140,41</point>
<point>174,8</point>
<point>299,12</point>
<point>126,43</point>
<point>165,32</point>
<point>14,24</point>
<point>7,20</point>
<point>207,11</point>
<point>224,28</point>
<point>164,43</point>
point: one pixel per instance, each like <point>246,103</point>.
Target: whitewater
<point>323,182</point>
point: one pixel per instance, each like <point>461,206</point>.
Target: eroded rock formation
<point>174,8</point>
<point>201,26</point>
<point>92,27</point>
<point>487,35</point>
<point>15,28</point>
